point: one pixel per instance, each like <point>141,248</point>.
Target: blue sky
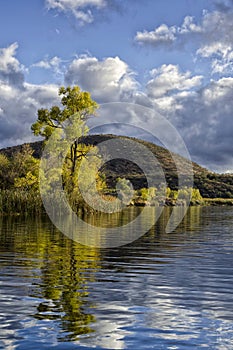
<point>172,55</point>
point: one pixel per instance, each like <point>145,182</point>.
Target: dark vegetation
<point>210,184</point>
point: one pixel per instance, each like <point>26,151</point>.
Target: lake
<point>163,291</point>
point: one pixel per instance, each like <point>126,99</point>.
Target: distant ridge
<point>211,185</point>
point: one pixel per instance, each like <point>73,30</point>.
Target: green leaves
<point>26,170</point>
<point>21,171</point>
<point>74,102</point>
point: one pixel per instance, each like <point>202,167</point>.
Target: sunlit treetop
<point>73,102</point>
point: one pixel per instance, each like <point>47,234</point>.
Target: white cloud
<point>19,101</point>
<point>7,60</point>
<point>19,107</point>
<point>164,35</point>
<point>221,55</point>
<point>48,64</point>
<point>223,65</point>
<point>218,90</point>
<point>204,119</point>
<point>81,9</point>
<point>189,26</point>
<point>161,35</point>
<point>168,78</point>
<point>217,41</point>
<point>10,68</point>
<point>213,37</point>
<point>107,80</point>
<point>214,48</point>
<point>217,27</point>
<point>54,64</point>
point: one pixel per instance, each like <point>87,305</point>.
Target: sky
<point>175,56</point>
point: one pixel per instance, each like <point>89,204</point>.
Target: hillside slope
<point>211,185</point>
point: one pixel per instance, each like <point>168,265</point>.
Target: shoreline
<point>206,202</point>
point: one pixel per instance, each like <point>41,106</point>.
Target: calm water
<point>164,291</point>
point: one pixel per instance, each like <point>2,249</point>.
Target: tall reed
<point>17,201</point>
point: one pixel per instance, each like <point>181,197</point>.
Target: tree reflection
<point>62,273</point>
<point>61,270</point>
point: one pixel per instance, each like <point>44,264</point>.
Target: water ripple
<point>164,291</point>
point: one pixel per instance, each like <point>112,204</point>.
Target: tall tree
<point>70,117</point>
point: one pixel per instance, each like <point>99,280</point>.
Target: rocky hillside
<point>211,185</point>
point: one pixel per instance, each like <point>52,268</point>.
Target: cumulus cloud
<point>217,27</point>
<point>19,100</point>
<point>108,80</point>
<point>189,26</point>
<point>19,109</point>
<point>221,57</point>
<point>168,78</point>
<point>161,35</point>
<point>212,124</point>
<point>167,36</point>
<point>11,70</point>
<point>48,63</point>
<point>81,9</point>
<point>168,87</point>
<point>55,64</point>
<point>212,37</point>
<point>203,116</point>
<point>216,48</point>
<point>214,26</point>
<point>217,41</point>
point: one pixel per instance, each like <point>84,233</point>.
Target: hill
<point>210,184</point>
